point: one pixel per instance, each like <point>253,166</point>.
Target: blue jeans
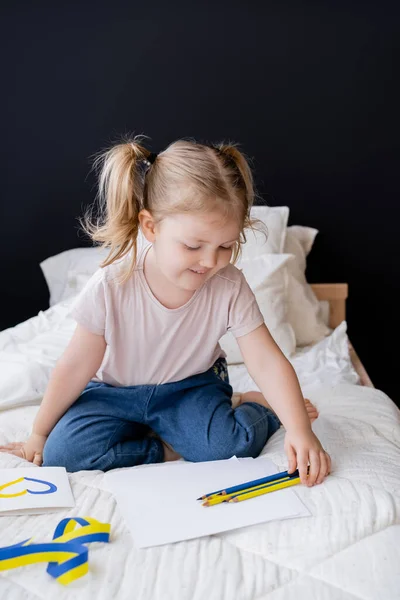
<point>108,427</point>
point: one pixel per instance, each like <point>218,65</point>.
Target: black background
<point>309,90</point>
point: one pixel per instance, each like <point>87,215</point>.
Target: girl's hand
<point>302,448</point>
<point>31,450</point>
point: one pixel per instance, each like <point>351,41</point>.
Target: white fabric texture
<point>67,272</point>
<point>304,312</point>
<point>326,363</point>
<point>348,549</point>
<point>266,275</point>
<point>271,239</point>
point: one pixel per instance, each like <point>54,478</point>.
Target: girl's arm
<point>277,380</point>
<point>79,363</point>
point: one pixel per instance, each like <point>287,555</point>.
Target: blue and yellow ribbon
<point>66,554</point>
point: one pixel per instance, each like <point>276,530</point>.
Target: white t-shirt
<point>148,343</point>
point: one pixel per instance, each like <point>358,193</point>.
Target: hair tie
<point>149,160</point>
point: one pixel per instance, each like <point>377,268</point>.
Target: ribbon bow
<point>66,554</point>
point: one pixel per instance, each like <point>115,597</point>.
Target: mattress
<point>349,548</point>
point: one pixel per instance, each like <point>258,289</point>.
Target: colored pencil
<point>218,499</point>
<point>243,486</point>
<point>266,490</point>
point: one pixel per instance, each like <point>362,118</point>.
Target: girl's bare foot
<point>311,409</point>
<point>169,452</point>
<point>259,398</point>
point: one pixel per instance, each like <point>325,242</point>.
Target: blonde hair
<point>186,177</point>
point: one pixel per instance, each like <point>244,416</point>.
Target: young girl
<point>144,378</point>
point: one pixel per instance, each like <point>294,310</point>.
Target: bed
<point>349,548</point>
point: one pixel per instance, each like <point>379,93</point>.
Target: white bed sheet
<point>349,548</point>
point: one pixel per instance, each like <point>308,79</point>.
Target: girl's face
<point>190,249</point>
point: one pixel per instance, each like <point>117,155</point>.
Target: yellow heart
<point>5,485</point>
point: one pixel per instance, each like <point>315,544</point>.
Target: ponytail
<point>237,163</point>
<point>121,174</point>
<point>231,155</point>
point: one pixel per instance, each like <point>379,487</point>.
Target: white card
<point>159,503</point>
<point>33,491</point>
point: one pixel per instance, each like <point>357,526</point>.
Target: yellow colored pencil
<point>272,488</point>
<point>219,498</point>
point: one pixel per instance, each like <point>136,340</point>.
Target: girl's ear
<point>147,225</point>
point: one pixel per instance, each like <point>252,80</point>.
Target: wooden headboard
<point>336,294</point>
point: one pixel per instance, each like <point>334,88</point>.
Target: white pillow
<point>60,270</point>
<point>275,218</point>
<point>267,276</point>
<point>304,311</point>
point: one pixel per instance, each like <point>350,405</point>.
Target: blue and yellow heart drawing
<point>50,489</point>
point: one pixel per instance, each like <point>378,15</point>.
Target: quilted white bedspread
<point>348,549</point>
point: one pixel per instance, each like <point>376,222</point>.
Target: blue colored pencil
<point>248,484</point>
<point>272,486</point>
<point>219,498</point>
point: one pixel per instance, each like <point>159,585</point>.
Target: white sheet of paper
<point>34,503</point>
<point>159,503</point>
